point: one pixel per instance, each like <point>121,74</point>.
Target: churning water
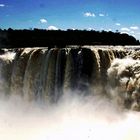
<point>72,93</point>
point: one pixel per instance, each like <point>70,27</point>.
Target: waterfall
<point>89,92</point>
<point>48,74</point>
<point>42,74</point>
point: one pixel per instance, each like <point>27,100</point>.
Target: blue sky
<point>122,15</point>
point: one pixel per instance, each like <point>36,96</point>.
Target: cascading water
<point>69,90</point>
<point>47,74</point>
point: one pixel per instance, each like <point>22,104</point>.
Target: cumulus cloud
<point>42,20</point>
<point>101,15</point>
<point>134,27</point>
<point>125,29</point>
<point>131,30</point>
<point>52,28</point>
<point>2,5</point>
<point>118,24</point>
<point>124,32</point>
<point>89,14</point>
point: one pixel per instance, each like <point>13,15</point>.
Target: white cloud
<point>118,24</point>
<point>132,32</point>
<point>73,29</point>
<point>52,28</point>
<point>134,27</point>
<point>42,20</point>
<point>90,29</point>
<point>133,35</point>
<point>101,15</point>
<point>101,28</point>
<point>2,5</point>
<point>89,14</point>
<point>109,29</point>
<point>124,32</point>
<point>125,29</point>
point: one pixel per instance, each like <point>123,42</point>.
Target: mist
<point>71,118</point>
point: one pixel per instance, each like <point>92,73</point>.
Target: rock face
<point>46,75</point>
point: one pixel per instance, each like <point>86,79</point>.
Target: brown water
<point>70,94</point>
